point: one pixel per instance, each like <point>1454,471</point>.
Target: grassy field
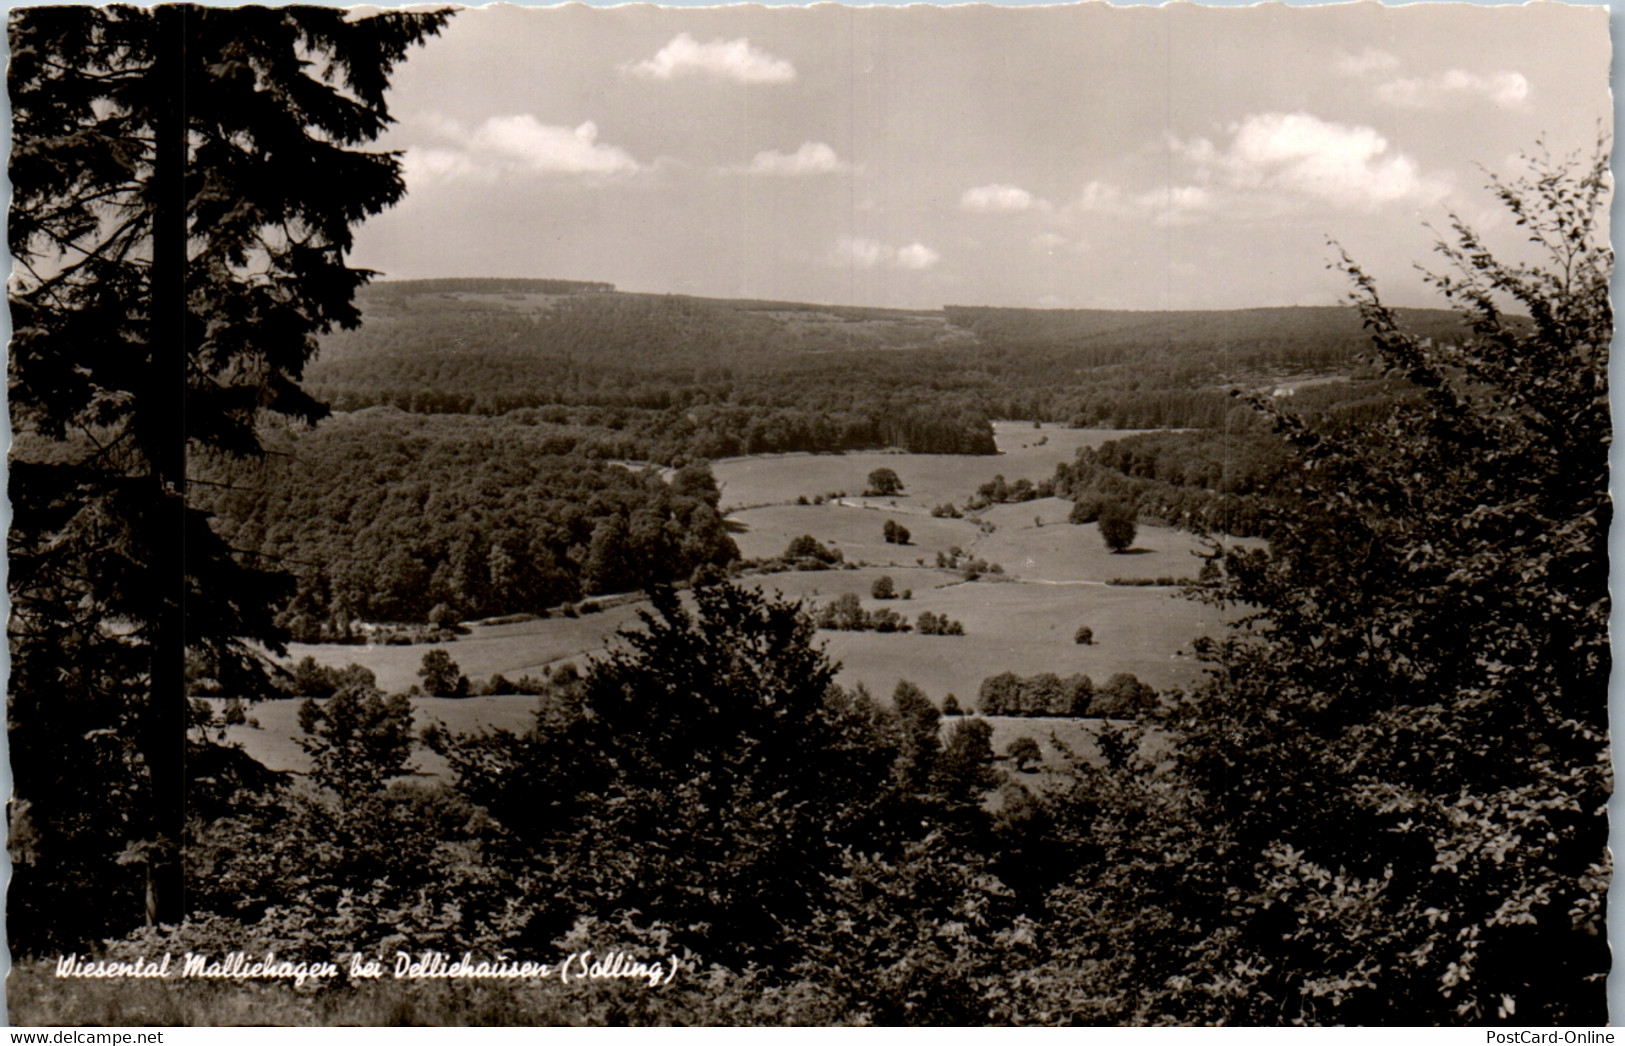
<point>854,528</point>
<point>1018,626</point>
<point>1063,551</point>
<point>928,479</point>
<point>1010,625</point>
<point>1023,621</point>
<point>512,650</point>
<point>1031,540</point>
<point>1028,628</point>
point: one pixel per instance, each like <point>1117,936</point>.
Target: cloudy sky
<point>1085,156</point>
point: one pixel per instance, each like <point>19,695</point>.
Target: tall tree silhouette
<point>186,181</point>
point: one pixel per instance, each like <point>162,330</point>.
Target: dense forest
<point>923,381</point>
<point>476,459</point>
<point>383,516</point>
<point>739,380</point>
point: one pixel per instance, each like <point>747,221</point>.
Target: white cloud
<point>1369,60</point>
<point>1174,204</point>
<point>1305,156</point>
<point>507,145</point>
<point>859,252</point>
<point>811,158</point>
<point>734,60</point>
<point>1099,198</point>
<point>916,256</point>
<point>999,199</point>
<point>1505,89</point>
<point>863,253</point>
<point>1048,241</point>
<point>1164,205</point>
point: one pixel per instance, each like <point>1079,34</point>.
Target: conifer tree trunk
<point>163,437</point>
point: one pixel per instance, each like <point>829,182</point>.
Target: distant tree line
<point>875,378</point>
<point>845,613</point>
<point>1046,694</point>
<point>485,285</point>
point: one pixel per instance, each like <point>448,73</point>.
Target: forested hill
<point>1244,342</point>
<point>491,346</point>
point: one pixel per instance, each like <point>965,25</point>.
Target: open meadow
<point>1031,540</point>
<point>854,527</point>
<point>275,742</point>
<point>1026,628</point>
<point>1025,452</point>
<point>513,649</point>
<point>1063,551</point>
<point>1010,625</point>
<point>1024,620</point>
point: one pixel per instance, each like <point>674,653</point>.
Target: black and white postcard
<point>828,515</point>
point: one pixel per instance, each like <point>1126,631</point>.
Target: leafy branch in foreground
<point>1392,791</point>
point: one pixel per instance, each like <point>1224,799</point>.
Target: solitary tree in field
<point>883,588</point>
<point>441,675</point>
<point>185,185</point>
<point>1117,526</point>
<point>883,482</point>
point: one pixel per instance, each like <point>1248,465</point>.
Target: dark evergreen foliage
<point>176,261</point>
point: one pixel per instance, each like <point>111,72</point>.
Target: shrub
<point>1122,696</point>
<point>1024,751</point>
<point>808,547</point>
<point>931,624</point>
<point>883,482</point>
